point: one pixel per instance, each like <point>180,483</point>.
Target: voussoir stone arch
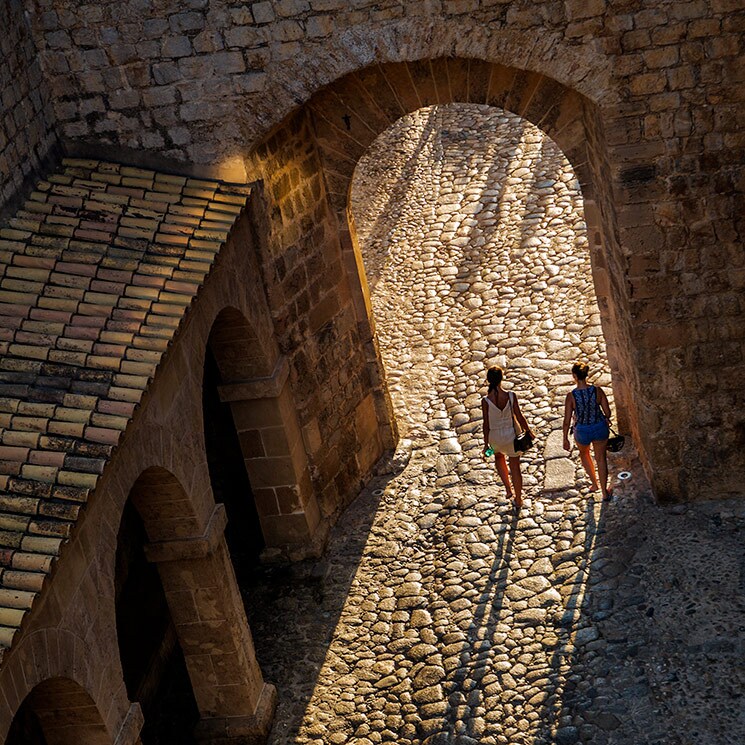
<point>152,469</point>
<point>239,352</point>
<point>164,505</point>
<point>55,661</point>
<point>61,711</point>
<point>350,114</point>
<point>578,66</point>
<point>204,603</point>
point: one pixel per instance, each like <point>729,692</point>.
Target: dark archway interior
<point>230,482</point>
<point>26,728</point>
<point>152,660</point>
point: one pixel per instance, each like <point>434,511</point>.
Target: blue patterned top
<point>586,405</point>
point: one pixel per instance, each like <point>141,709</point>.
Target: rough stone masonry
<point>199,84</point>
<point>440,615</point>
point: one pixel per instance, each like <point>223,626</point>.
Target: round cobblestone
<point>439,614</point>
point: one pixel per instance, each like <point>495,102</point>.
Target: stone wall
<point>314,318</point>
<point>203,83</point>
<point>26,123</point>
<point>160,465</point>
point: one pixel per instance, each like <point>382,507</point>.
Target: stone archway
<point>58,711</point>
<point>151,657</point>
<point>254,383</point>
<point>206,609</point>
<point>348,115</point>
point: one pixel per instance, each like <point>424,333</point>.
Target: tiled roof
<point>97,271</point>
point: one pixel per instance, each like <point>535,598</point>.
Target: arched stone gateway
<point>344,118</point>
<point>654,331</point>
<point>205,606</point>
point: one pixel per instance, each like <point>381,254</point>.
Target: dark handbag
<point>523,441</point>
<point>616,442</point>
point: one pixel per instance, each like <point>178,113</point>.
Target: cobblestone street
<point>439,614</point>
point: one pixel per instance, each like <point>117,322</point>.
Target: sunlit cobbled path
<point>440,615</point>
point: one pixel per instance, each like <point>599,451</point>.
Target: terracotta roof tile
<point>96,273</point>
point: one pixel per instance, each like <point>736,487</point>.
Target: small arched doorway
<point>172,553</point>
<point>231,485</point>
<point>255,451</point>
<point>152,660</point>
<point>58,711</point>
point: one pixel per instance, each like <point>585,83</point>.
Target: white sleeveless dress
<point>501,427</point>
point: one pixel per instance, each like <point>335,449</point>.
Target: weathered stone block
<point>245,36</point>
<point>208,41</point>
<point>58,39</point>
<point>176,46</point>
<point>228,62</point>
<point>252,82</point>
<point>642,85</point>
<point>154,28</point>
<point>578,9</point>
<point>263,12</point>
<point>165,73</point>
<point>290,8</point>
<point>179,135</point>
<point>124,99</point>
<point>186,21</point>
<point>319,26</point>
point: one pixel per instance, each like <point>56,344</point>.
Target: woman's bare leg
<point>589,466</point>
<point>517,480</point>
<point>503,472</point>
<point>601,457</point>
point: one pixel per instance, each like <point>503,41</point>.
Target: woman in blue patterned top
<point>588,406</point>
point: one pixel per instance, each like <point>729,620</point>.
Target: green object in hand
<point>489,452</point>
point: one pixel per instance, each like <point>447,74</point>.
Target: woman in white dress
<point>498,408</point>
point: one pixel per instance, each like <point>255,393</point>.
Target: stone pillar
<point>267,424</point>
<point>235,703</point>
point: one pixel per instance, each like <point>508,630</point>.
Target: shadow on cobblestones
<point>440,616</point>
<point>392,210</point>
<point>476,654</point>
<point>567,623</point>
<point>294,610</point>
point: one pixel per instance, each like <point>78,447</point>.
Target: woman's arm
<point>520,418</point>
<point>604,405</point>
<point>485,417</point>
<point>568,410</point>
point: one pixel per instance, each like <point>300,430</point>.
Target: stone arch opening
<point>179,559</point>
<point>348,115</point>
<point>224,449</point>
<point>471,226</point>
<point>259,466</point>
<point>58,711</point>
<point>152,660</point>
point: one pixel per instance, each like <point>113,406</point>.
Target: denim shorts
<point>584,434</point>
